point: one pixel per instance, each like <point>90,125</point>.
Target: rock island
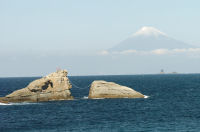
<point>55,86</point>
<point>103,89</point>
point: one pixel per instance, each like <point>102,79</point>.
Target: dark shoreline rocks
<point>55,86</point>
<point>103,89</point>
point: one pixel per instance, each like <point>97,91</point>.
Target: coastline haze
<point>36,39</point>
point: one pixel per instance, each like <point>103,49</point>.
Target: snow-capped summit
<point>148,31</point>
<point>149,38</point>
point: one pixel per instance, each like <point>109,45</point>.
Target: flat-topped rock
<point>103,89</point>
<point>55,86</point>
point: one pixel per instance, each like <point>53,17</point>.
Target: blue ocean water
<point>173,105</point>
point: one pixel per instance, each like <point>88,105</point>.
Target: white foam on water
<point>145,96</point>
<point>5,104</point>
<point>23,103</point>
<point>85,97</point>
<point>98,98</point>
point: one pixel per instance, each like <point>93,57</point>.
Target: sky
<point>37,36</point>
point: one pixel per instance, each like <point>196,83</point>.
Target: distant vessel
<point>162,71</point>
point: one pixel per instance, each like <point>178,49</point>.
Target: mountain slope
<point>149,38</point>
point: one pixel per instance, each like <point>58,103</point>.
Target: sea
<point>173,105</point>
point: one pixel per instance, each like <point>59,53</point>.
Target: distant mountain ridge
<point>149,38</point>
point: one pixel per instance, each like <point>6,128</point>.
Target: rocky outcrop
<point>103,89</point>
<point>55,86</point>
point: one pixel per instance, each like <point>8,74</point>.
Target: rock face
<point>103,89</point>
<point>55,86</point>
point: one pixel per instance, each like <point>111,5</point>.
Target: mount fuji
<point>149,38</point>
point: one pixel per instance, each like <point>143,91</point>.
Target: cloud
<point>128,51</point>
<point>103,52</point>
<point>153,52</point>
<point>160,51</point>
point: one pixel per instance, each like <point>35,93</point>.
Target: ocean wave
<point>145,96</point>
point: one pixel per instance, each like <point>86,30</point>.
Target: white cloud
<point>194,50</point>
<point>154,52</point>
<point>160,51</point>
<point>179,50</point>
<point>104,52</point>
<point>128,51</point>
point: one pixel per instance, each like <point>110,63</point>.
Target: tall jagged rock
<point>55,86</point>
<point>103,89</point>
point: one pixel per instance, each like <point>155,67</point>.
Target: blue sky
<point>75,25</point>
